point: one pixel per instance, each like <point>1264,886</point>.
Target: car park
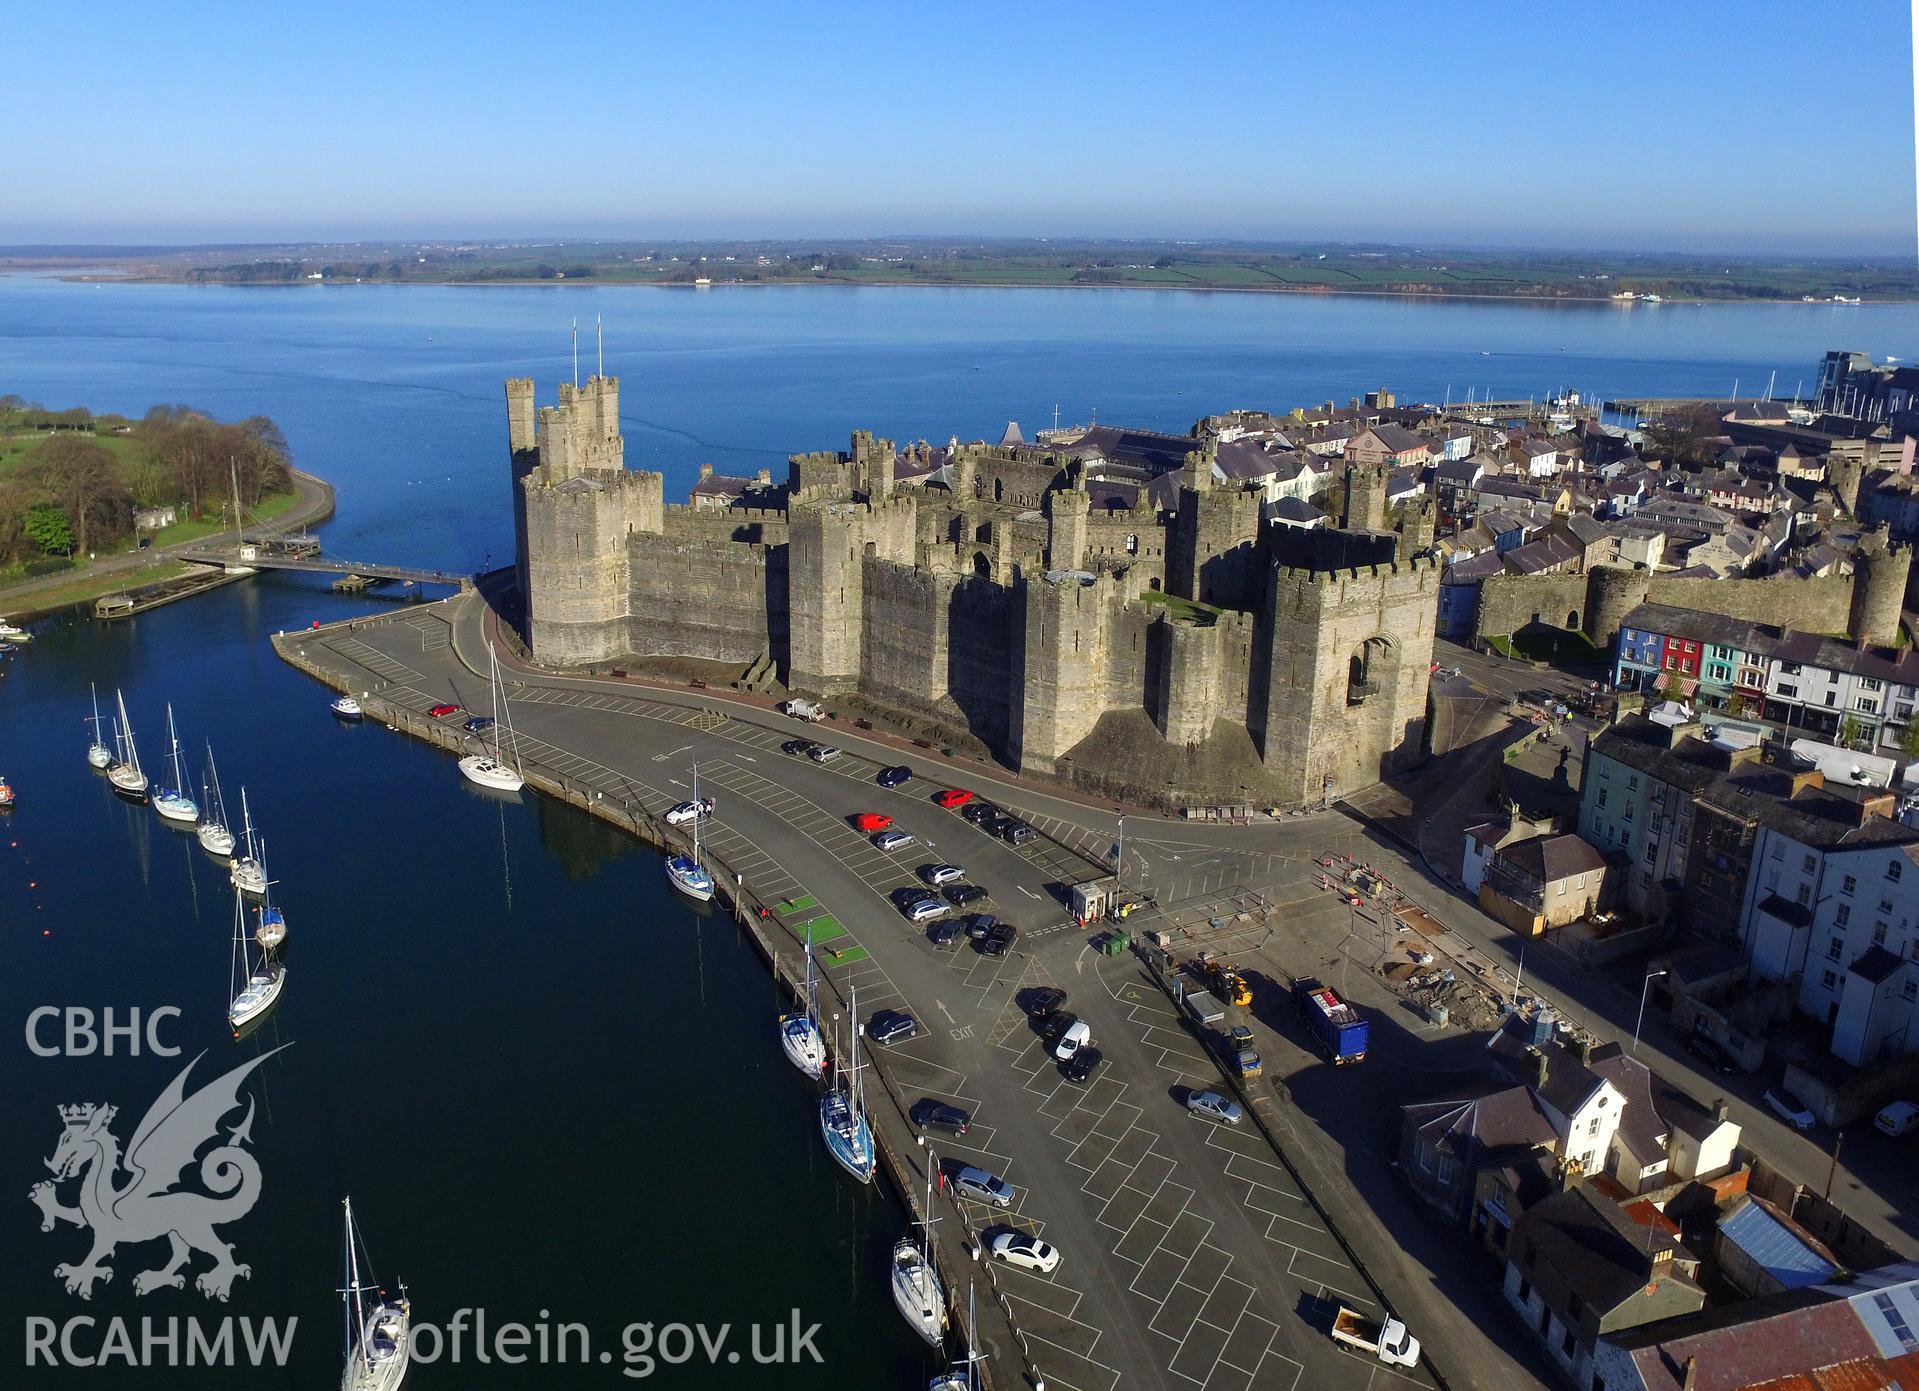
<point>822,753</point>
<point>1071,1039</point>
<point>974,1182</point>
<point>892,1026</point>
<point>443,709</point>
<point>1214,1107</point>
<point>981,814</point>
<point>1788,1108</point>
<point>479,724</point>
<point>894,777</point>
<point>1082,1065</point>
<point>959,895</point>
<point>870,821</point>
<point>1026,1251</point>
<point>945,933</point>
<point>1710,1053</point>
<point>952,798</point>
<point>1000,940</point>
<point>929,1114</point>
<point>797,746</point>
<point>979,924</point>
<point>892,840</point>
<point>937,875</point>
<point>684,813</point>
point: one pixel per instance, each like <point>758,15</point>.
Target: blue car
<point>479,724</point>
<point>894,777</point>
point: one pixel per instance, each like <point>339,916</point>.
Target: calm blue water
<point>493,1009</point>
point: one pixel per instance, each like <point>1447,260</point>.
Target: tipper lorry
<point>1387,1339</point>
<point>1336,1026</point>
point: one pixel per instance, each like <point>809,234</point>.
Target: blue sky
<point>1761,127</point>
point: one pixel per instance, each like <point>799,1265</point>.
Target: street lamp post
<point>1645,989</point>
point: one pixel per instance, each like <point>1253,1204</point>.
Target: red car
<point>872,821</point>
<point>440,712</point>
<point>953,797</point>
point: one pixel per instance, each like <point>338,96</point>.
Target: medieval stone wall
<point>1601,598</point>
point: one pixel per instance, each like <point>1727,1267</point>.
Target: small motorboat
<point>7,794</point>
<point>347,708</point>
<point>9,633</point>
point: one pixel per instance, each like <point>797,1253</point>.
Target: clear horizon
<point>1652,130</point>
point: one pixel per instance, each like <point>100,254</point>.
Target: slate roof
<point>1475,568</point>
<point>1604,1255</point>
<point>1461,471</point>
<point>1541,554</point>
<point>1811,649</point>
<point>1741,1345</point>
<point>1550,859</point>
<point>1712,628</point>
<point>1147,448</point>
<point>1640,1123</point>
<point>1297,509</point>
<point>1246,461</point>
<point>1400,441</point>
<point>1877,965</point>
<point>1474,1130</point>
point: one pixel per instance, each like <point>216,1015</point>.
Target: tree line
<point>70,494</point>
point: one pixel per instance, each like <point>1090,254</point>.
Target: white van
<point>1074,1039</point>
<point>1899,1118</point>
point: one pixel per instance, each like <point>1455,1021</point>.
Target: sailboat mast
<point>357,1318</point>
<point>126,732</point>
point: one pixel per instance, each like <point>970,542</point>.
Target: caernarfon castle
<point>1103,606</point>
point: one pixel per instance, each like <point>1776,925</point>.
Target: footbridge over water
<point>303,553</point>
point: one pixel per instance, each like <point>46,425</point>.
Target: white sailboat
<point>272,928</point>
<point>495,770</point>
<point>843,1124</point>
<point>98,754</point>
<point>256,988</point>
<point>125,775</point>
<point>215,838</point>
<point>376,1324</point>
<point>800,1033</point>
<point>173,802</point>
<point>248,876</point>
<point>959,1376</point>
<point>685,872</point>
<point>916,1282</point>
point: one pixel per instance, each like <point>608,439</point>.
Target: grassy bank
<point>85,587</point>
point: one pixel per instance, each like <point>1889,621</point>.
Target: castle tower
<point>1184,671</point>
<point>1612,592</point>
<point>1212,558</point>
<point>1879,573</point>
<point>826,567</point>
<point>519,423</point>
<point>1068,513</point>
<point>873,461</point>
<point>1417,525</point>
<point>1365,498</point>
<point>1345,656</point>
<point>1058,689</point>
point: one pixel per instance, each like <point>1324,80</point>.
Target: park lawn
<point>194,528</point>
<point>16,449</point>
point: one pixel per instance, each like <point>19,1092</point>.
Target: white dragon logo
<point>149,1205</point>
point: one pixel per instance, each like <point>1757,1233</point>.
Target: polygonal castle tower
<point>1134,646</point>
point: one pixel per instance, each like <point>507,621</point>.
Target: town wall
<point>1509,603</point>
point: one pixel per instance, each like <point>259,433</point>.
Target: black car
<point>1082,1065</point>
<point>796,746</point>
<point>929,1114</point>
<point>946,933</point>
<point>981,814</point>
<point>959,895</point>
<point>891,1025</point>
<point>979,925</point>
<point>1041,1001</point>
<point>479,724</point>
<point>894,777</point>
<point>1000,940</point>
<point>1057,1023</point>
<point>1710,1053</point>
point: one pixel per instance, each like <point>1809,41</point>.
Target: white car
<point>1897,1118</point>
<point>1213,1106</point>
<point>1788,1108</point>
<point>892,840</point>
<point>1076,1037</point>
<point>684,813</point>
<point>1026,1251</point>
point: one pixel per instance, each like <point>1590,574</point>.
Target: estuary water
<point>549,1086</point>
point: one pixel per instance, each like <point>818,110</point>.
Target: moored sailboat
<point>215,838</point>
<point>125,774</point>
<point>247,874</point>
<point>685,872</point>
<point>376,1323</point>
<point>843,1124</point>
<point>256,987</point>
<point>271,930</point>
<point>173,803</point>
<point>960,1376</point>
<point>98,754</point>
<point>800,1032</point>
<point>495,770</point>
<point>917,1290</point>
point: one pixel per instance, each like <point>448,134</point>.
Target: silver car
<point>988,1188</point>
<point>822,753</point>
<point>1214,1107</point>
<point>892,840</point>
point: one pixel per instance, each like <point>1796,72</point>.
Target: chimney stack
<point>1719,1109</point>
<point>1536,1057</point>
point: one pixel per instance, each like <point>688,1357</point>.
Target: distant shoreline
<point>590,282</point>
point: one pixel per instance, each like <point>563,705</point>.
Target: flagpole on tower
<point>599,338</point>
<point>576,354</point>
